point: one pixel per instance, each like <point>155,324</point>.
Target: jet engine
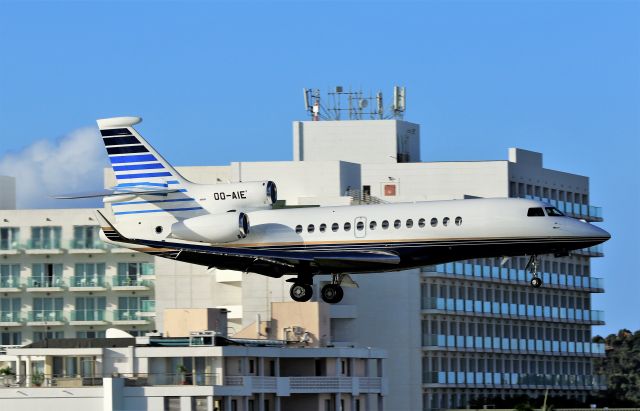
<point>213,228</point>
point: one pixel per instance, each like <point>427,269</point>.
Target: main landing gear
<point>532,266</point>
<point>332,293</point>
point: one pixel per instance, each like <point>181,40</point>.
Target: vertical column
<point>338,396</point>
<point>19,369</point>
<point>28,371</point>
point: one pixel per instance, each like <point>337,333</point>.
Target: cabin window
<point>421,223</point>
<point>359,226</point>
<point>323,228</point>
<point>409,223</point>
<point>311,228</point>
<point>434,222</point>
<point>298,229</point>
<point>535,212</point>
<point>385,224</point>
<point>553,212</point>
<point>397,224</point>
<point>458,220</point>
<point>445,221</point>
<point>372,225</point>
<point>334,227</point>
<point>347,226</point>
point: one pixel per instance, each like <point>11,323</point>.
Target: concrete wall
<point>179,322</point>
<point>7,193</point>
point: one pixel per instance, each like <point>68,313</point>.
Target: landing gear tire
<point>536,282</point>
<point>301,292</point>
<point>332,293</point>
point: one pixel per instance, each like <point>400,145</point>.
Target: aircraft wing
<point>286,261</point>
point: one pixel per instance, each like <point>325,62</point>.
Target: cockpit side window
<point>553,212</point>
<point>535,212</point>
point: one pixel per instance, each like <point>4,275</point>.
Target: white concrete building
<point>58,279</point>
<point>202,372</point>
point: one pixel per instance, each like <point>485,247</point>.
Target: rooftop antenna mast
<point>358,105</point>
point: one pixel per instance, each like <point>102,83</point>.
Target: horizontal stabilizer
<point>118,192</point>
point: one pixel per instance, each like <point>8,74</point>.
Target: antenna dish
<point>364,103</point>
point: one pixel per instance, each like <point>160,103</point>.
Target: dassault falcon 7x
<point>233,226</point>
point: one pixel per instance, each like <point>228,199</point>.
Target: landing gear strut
<point>332,293</point>
<point>532,266</point>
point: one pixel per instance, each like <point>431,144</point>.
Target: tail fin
<point>137,167</point>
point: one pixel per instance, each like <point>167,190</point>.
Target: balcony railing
<point>593,251</point>
<point>45,316</point>
<point>148,306</point>
<point>127,315</point>
<point>10,317</point>
<point>44,282</point>
<point>479,343</point>
<point>514,379</point>
<point>513,310</point>
<point>40,244</point>
<point>130,282</point>
<point>10,282</point>
<point>6,245</point>
<point>87,281</point>
<point>77,244</point>
<point>88,315</point>
<point>512,274</point>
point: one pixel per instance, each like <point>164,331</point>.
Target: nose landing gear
<point>532,266</point>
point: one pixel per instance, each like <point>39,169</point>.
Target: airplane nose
<point>599,232</point>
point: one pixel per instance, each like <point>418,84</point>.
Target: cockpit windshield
<point>535,212</point>
<point>554,212</point>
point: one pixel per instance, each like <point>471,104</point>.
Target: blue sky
<point>221,82</point>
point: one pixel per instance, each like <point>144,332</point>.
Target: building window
<point>458,220</point>
<point>311,228</point>
<point>397,224</point>
<point>91,334</point>
<point>445,221</point>
<point>10,310</point>
<point>86,236</point>
<point>298,229</point>
<point>88,275</point>
<point>46,275</point>
<point>390,190</point>
<point>372,225</point>
<point>359,226</point>
<point>334,227</point>
<point>9,237</point>
<point>10,338</point>
<point>347,226</point>
<point>9,275</point>
<point>323,228</point>
<point>89,309</point>
<point>129,307</point>
<point>129,273</point>
<point>421,223</point>
<point>45,238</point>
<point>409,223</point>
<point>171,403</point>
<point>434,222</point>
<point>385,224</point>
<point>47,309</point>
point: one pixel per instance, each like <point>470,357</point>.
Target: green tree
<point>621,366</point>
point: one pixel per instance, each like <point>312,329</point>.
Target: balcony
<point>10,284</point>
<point>88,317</point>
<point>130,284</point>
<point>10,247</point>
<point>487,273</point>
<point>504,310</point>
<point>469,343</point>
<point>595,251</point>
<point>512,380</point>
<point>147,308</point>
<point>87,283</point>
<point>43,247</point>
<point>131,317</point>
<point>45,284</point>
<point>45,317</point>
<point>11,319</point>
<point>78,246</point>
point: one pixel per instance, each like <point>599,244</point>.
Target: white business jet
<point>233,226</point>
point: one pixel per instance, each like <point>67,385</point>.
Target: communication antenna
<point>358,105</point>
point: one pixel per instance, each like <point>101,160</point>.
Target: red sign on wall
<point>389,190</point>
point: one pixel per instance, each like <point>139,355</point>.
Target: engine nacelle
<point>213,228</point>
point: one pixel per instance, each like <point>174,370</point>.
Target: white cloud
<point>73,163</point>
